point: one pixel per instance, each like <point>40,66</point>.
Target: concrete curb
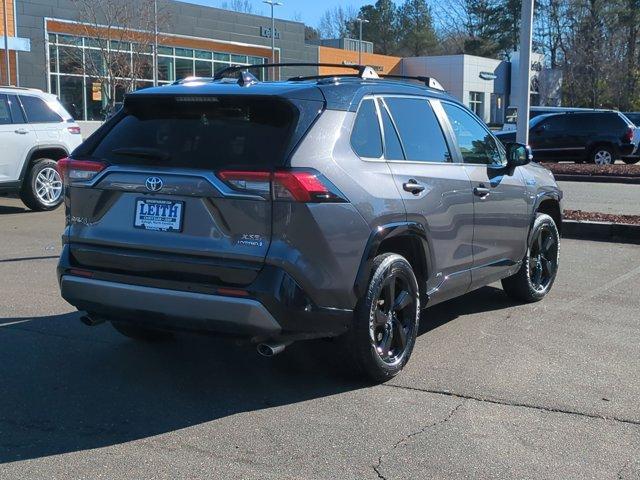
<point>564,177</point>
<point>602,231</point>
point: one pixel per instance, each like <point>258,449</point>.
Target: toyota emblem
<point>154,184</point>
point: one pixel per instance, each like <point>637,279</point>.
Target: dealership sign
<point>488,75</point>
<point>266,32</point>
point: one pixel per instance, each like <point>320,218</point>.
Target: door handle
<point>413,187</point>
<point>481,192</point>
<point>21,131</point>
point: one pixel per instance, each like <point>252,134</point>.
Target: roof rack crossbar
<point>428,81</point>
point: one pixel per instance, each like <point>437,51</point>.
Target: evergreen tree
<point>417,34</point>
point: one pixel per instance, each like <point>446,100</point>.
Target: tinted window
<point>420,132</point>
<point>5,116</point>
<point>476,144</point>
<point>392,147</point>
<point>634,117</point>
<point>38,111</point>
<point>555,123</point>
<point>365,137</point>
<point>211,133</point>
<point>16,110</point>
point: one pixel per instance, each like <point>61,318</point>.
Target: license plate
<point>160,215</point>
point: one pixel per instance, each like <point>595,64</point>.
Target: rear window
<point>201,132</point>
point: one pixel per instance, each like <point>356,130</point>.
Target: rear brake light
<point>306,186</point>
<point>79,170</point>
<point>629,135</point>
<point>74,130</point>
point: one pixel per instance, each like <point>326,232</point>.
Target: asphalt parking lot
<point>494,389</point>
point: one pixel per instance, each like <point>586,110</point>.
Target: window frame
<point>452,135</point>
<point>453,157</point>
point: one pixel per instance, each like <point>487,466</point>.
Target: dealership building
<point>51,48</point>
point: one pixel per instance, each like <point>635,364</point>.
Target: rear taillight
<point>306,186</point>
<point>629,135</point>
<point>79,170</point>
<point>75,130</point>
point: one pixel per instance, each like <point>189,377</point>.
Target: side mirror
<point>518,154</point>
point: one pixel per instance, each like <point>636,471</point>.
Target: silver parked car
<point>313,207</point>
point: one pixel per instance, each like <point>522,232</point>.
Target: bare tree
<point>121,36</point>
<point>335,22</point>
<point>243,6</point>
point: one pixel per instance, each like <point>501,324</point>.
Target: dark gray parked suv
<point>307,208</point>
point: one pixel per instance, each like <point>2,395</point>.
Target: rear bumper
<point>196,310</point>
<point>272,307</point>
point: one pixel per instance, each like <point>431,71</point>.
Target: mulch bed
<point>601,217</point>
<point>617,170</point>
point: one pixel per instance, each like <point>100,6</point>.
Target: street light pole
<point>5,13</point>
<point>360,20</point>
<point>524,69</point>
<point>155,43</point>
<point>273,4</point>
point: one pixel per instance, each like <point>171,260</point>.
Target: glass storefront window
<point>165,69</point>
<point>165,50</point>
<point>203,69</point>
<point>94,63</point>
<point>69,40</point>
<point>118,45</point>
<point>71,95</point>
<point>184,68</point>
<point>222,57</point>
<point>239,59</point>
<point>184,52</point>
<point>53,58</point>
<point>143,66</point>
<point>70,60</point>
<point>94,42</point>
<point>218,67</point>
<point>203,54</point>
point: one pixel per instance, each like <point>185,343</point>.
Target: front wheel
<point>386,320</point>
<point>540,265</point>
<point>630,160</point>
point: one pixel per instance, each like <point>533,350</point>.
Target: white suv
<point>35,132</point>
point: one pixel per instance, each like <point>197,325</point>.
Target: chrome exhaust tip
<point>270,349</point>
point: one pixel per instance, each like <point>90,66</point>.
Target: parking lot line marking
<point>15,323</point>
<point>25,259</point>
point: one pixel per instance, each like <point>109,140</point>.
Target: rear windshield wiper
<point>141,152</point>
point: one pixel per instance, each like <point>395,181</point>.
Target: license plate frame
<point>161,222</point>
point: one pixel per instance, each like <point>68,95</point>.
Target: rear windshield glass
<point>201,132</point>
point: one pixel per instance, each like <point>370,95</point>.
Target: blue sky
<point>309,11</point>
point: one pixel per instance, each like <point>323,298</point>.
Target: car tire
<point>381,340</point>
<point>602,155</point>
<point>539,267</point>
<point>631,160</point>
<point>138,332</point>
<point>42,188</point>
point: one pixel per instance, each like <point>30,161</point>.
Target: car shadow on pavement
<point>67,387</point>
<point>8,209</point>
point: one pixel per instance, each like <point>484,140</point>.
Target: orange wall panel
<point>10,18</point>
<point>381,63</point>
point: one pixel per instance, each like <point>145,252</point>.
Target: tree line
<point>594,43</point>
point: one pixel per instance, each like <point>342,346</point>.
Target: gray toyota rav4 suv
<point>313,207</point>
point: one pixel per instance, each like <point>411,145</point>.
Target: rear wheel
<point>42,188</point>
<point>540,265</point>
<point>386,320</point>
<point>140,333</point>
<point>602,155</point>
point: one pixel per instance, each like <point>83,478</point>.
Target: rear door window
<point>5,114</point>
<point>420,132</point>
<point>201,132</point>
<point>38,111</point>
<point>366,139</point>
